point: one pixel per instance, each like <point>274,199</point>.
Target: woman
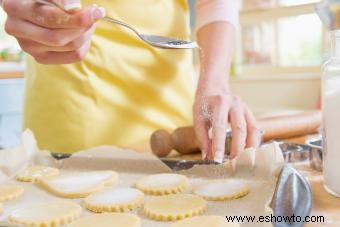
<point>89,82</point>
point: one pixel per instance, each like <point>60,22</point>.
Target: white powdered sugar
<point>112,196</point>
<point>70,182</point>
<point>162,180</point>
<point>221,188</point>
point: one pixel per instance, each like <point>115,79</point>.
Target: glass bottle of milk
<point>331,117</point>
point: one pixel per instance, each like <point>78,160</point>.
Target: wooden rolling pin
<point>184,139</point>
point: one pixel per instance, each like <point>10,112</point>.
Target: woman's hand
<point>49,34</point>
<point>214,110</point>
<point>215,107</point>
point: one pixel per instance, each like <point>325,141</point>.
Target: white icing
<point>221,188</point>
<point>45,211</point>
<point>111,196</point>
<point>162,180</point>
<point>71,182</point>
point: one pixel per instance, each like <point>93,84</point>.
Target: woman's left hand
<point>214,109</point>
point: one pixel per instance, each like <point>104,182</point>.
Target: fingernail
<point>251,151</point>
<point>98,13</point>
<point>72,5</point>
<point>204,154</point>
<point>210,133</point>
<point>233,165</point>
<point>219,157</point>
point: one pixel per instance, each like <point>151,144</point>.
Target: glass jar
<point>331,117</point>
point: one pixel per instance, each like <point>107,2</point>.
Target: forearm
<point>217,42</point>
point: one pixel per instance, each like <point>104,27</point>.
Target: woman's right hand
<point>49,34</point>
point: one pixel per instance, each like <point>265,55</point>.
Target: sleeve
<point>208,11</point>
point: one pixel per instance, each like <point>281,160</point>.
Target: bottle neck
<point>335,43</point>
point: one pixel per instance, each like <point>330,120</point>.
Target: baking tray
<point>292,153</point>
<point>284,193</point>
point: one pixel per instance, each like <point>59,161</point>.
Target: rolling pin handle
<point>161,143</point>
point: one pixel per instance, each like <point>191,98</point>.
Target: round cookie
<point>33,173</point>
<point>108,220</point>
<point>114,200</point>
<point>48,214</point>
<point>174,207</point>
<point>221,190</point>
<point>204,221</point>
<point>10,192</point>
<point>163,184</point>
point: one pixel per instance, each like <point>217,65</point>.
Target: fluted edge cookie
<point>47,214</point>
<point>221,190</point>
<point>162,184</point>
<point>114,200</point>
<point>10,192</point>
<point>34,173</point>
<point>174,207</point>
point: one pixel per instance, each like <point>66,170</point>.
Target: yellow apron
<point>123,90</point>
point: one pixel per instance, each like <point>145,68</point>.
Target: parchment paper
<point>132,166</point>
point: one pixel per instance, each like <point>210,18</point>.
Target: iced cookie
<point>205,221</point>
<point>79,185</point>
<point>163,184</point>
<point>33,173</point>
<point>10,192</point>
<point>220,190</point>
<point>114,200</point>
<point>47,214</point>
<point>108,220</point>
<point>174,207</point>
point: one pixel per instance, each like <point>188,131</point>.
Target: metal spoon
<point>153,40</point>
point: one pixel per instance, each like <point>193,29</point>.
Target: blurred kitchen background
<point>281,46</point>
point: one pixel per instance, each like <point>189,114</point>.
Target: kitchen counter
<point>10,75</point>
<point>324,204</point>
<point>9,70</point>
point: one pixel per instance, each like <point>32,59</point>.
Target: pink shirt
<point>209,11</point>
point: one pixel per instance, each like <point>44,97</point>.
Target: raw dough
<point>108,220</point>
<point>33,173</point>
<point>174,207</point>
<point>163,184</point>
<point>79,185</point>
<point>53,213</point>
<point>220,190</point>
<point>10,192</point>
<point>114,200</point>
<point>205,221</point>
